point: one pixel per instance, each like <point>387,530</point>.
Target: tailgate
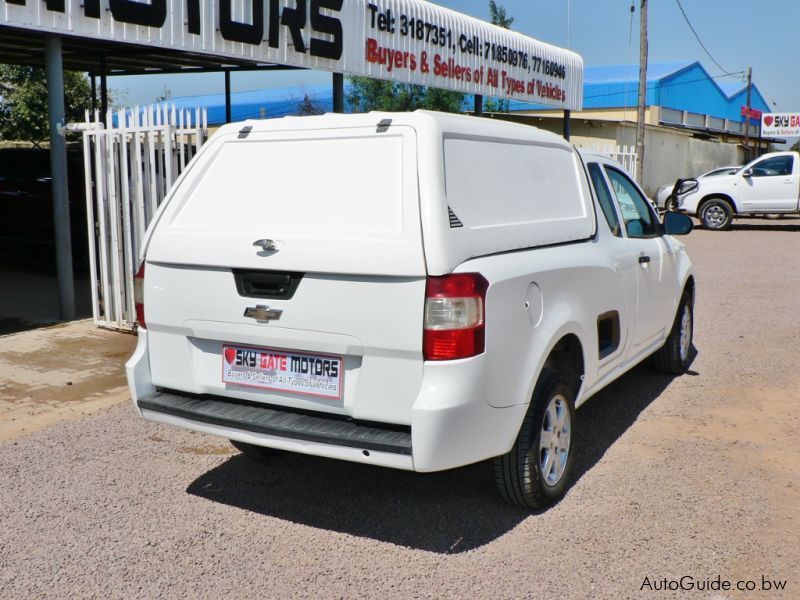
<point>329,318</point>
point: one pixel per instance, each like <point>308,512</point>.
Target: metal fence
<point>130,164</point>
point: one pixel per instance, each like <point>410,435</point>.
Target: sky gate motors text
<point>294,19</point>
<point>303,365</point>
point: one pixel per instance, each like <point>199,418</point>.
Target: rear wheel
<point>259,453</point>
<point>674,356</point>
<point>537,469</point>
<point>716,214</point>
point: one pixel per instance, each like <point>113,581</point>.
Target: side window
<point>636,212</point>
<point>777,165</point>
<point>604,197</point>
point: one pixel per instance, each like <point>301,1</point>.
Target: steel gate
<point>130,165</point>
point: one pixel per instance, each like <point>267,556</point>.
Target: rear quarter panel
<point>577,284</point>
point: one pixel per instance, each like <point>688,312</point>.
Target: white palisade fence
<point>625,155</point>
<point>130,165</point>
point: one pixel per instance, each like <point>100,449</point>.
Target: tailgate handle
<point>266,284</point>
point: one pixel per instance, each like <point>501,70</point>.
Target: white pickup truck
<point>414,290</point>
<point>768,185</point>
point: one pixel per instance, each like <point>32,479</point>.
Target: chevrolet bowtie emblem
<point>262,313</point>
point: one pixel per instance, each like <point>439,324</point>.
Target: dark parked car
<point>26,205</point>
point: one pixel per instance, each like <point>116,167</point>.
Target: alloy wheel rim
<point>715,215</point>
<point>554,440</point>
<point>686,333</point>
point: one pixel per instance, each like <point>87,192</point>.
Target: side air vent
<point>454,220</point>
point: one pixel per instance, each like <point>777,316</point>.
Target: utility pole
<point>642,92</point>
<point>747,115</point>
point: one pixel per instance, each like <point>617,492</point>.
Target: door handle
<point>644,259</point>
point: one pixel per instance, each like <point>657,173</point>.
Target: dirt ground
<point>60,373</point>
<point>696,477</point>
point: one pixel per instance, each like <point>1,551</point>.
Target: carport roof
<point>26,47</point>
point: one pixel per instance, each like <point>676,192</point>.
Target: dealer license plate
<point>283,370</point>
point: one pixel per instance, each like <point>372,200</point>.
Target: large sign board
<point>408,41</point>
<point>780,124</point>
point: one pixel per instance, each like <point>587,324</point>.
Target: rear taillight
<point>454,316</point>
<point>138,296</point>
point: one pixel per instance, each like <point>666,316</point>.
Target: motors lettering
<point>315,366</point>
<point>288,21</point>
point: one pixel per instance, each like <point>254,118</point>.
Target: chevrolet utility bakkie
<point>415,290</point>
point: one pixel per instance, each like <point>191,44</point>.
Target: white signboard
<point>408,41</point>
<point>780,124</point>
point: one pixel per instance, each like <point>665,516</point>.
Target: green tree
<point>307,107</point>
<point>498,16</point>
<point>365,94</point>
<point>795,147</point>
<point>23,102</point>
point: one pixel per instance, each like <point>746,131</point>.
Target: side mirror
<point>747,172</point>
<point>677,224</point>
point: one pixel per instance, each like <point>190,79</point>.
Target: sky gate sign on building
<point>409,41</point>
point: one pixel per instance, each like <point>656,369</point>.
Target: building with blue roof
<point>693,121</point>
<point>259,104</point>
<point>672,90</point>
<point>679,94</point>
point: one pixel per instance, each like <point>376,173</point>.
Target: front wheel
<point>674,356</point>
<point>671,204</point>
<point>716,214</point>
<point>537,469</point>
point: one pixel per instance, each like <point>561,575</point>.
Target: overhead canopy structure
<point>24,47</point>
<point>409,41</point>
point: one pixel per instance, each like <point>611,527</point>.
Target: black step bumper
<point>280,422</point>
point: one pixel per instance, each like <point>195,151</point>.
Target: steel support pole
<point>567,124</point>
<point>338,93</point>
<point>747,115</point>
<point>227,96</point>
<point>478,105</point>
<point>58,174</point>
<point>93,81</point>
<point>103,91</point>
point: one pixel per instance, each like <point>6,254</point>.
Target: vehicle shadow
<point>607,415</point>
<point>447,512</point>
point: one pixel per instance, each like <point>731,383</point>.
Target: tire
<point>259,453</point>
<point>670,204</point>
<point>716,214</point>
<point>674,356</point>
<point>526,476</point>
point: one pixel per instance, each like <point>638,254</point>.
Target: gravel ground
<point>696,476</point>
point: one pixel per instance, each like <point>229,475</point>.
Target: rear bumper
<point>452,424</point>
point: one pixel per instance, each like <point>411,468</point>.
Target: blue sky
<point>738,34</point>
